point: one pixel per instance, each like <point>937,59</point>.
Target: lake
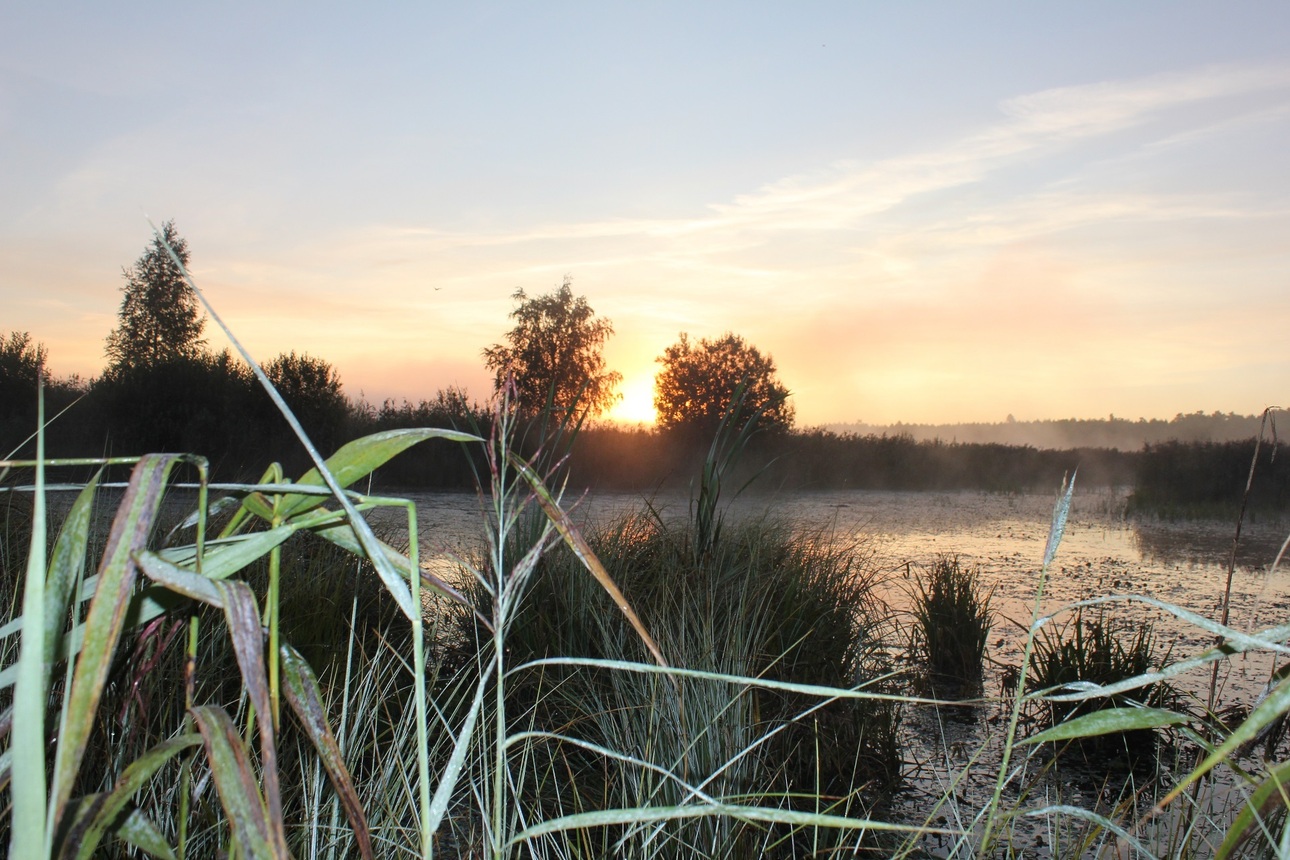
<point>1183,563</point>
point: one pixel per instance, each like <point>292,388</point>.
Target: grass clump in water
<point>1096,647</point>
<point>952,622</point>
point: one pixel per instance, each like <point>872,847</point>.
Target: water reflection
<point>1207,543</point>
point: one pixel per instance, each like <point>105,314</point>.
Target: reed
<point>952,623</point>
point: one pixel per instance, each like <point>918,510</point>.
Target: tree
<point>554,354</point>
<point>20,363</point>
<point>159,320</point>
<point>311,387</point>
<point>698,382</point>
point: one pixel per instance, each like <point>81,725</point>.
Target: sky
<point>925,212</point>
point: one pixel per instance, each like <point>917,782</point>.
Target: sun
<point>637,405</point>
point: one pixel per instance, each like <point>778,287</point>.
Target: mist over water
<point>1102,553</point>
<point>1058,434</point>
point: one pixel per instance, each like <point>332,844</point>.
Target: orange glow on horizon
<point>637,405</point>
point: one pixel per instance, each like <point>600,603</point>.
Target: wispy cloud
<point>852,195</point>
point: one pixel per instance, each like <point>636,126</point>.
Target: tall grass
<point>762,603</point>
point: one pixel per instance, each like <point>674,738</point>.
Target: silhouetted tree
<point>555,355</point>
<point>699,381</point>
<point>159,320</point>
<point>20,363</point>
<point>21,359</point>
<point>311,387</point>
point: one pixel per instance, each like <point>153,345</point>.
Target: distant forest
<point>1122,434</point>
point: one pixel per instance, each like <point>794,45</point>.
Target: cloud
<point>852,195</point>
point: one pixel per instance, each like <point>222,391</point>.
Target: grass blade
<point>1099,820</point>
<point>235,782</point>
<point>138,831</point>
<point>65,567</point>
<point>226,556</point>
<point>769,815</point>
<point>1274,706</point>
<point>28,835</point>
<point>565,526</point>
<point>1109,721</point>
<point>130,528</point>
<point>1262,805</point>
<point>101,816</point>
<point>304,697</point>
<point>248,645</point>
<point>358,459</point>
<point>452,771</point>
<point>345,537</point>
<point>243,616</point>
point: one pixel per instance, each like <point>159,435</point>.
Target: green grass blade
<point>1099,820</point>
<point>723,678</point>
<point>65,568</point>
<point>346,538</point>
<point>1262,805</point>
<point>6,757</point>
<point>86,834</point>
<point>28,835</point>
<point>564,525</point>
<point>1274,706</point>
<point>103,625</point>
<point>357,459</point>
<point>226,556</point>
<point>1109,721</point>
<point>763,814</point>
<point>177,579</point>
<point>235,782</point>
<point>243,616</point>
<point>138,831</point>
<point>305,699</point>
<point>248,645</point>
<point>452,771</point>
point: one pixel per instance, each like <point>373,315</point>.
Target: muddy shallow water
<point>1102,553</point>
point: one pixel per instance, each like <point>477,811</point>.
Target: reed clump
<point>952,618</point>
<point>1096,647</point>
<point>763,602</point>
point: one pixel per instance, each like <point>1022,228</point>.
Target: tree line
<point>1110,432</point>
<point>163,389</point>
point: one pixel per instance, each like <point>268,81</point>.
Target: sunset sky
<point>927,212</point>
